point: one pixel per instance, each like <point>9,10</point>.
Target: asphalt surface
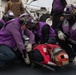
<point>18,68</point>
<point>21,69</point>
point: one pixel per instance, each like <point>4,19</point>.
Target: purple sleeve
<point>52,32</point>
<point>30,35</point>
<point>14,30</point>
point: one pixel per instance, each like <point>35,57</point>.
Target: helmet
<point>25,19</point>
<point>34,25</point>
<point>60,57</point>
<point>8,16</point>
<point>24,15</point>
<point>69,11</point>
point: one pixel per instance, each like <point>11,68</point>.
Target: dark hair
<point>23,21</point>
<point>8,16</point>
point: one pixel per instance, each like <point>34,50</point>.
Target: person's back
<point>6,37</point>
<point>15,6</point>
<point>44,33</point>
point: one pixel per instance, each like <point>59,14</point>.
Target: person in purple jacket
<point>11,36</point>
<point>57,12</point>
<point>66,32</point>
<point>43,32</point>
<point>6,17</point>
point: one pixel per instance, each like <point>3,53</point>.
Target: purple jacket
<point>70,31</point>
<point>38,32</point>
<point>2,21</point>
<point>57,6</point>
<point>11,35</point>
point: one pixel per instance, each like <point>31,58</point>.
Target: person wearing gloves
<point>66,32</point>
<point>43,32</point>
<point>57,12</point>
<point>11,36</point>
<point>6,17</point>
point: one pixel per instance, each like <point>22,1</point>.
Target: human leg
<point>6,54</point>
<point>35,55</point>
<point>56,20</point>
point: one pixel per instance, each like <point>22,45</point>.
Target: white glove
<point>61,35</point>
<point>27,59</point>
<point>29,47</point>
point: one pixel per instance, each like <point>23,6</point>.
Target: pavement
<point>21,69</point>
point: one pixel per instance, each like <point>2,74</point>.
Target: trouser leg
<point>56,21</point>
<point>6,54</point>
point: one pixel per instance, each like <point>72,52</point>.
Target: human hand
<point>50,17</point>
<point>29,47</point>
<point>61,18</point>
<point>61,35</point>
<point>27,59</point>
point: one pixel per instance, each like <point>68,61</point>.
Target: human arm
<point>30,35</point>
<point>59,27</point>
<point>60,33</point>
<point>13,30</point>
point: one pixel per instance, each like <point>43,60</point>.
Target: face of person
<point>24,27</point>
<point>36,28</point>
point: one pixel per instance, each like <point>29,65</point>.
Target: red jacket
<point>44,49</point>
